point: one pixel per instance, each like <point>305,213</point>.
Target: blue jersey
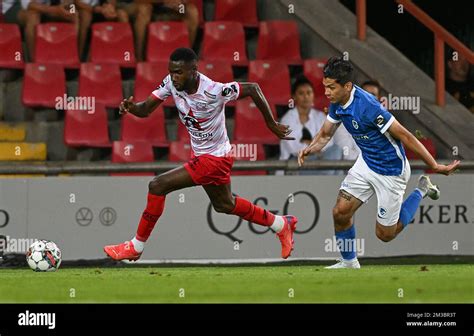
<point>367,121</point>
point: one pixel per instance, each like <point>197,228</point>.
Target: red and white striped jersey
<point>203,112</point>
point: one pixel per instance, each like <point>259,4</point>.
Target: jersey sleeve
<point>229,91</point>
<point>163,91</point>
<point>332,116</point>
<point>380,118</point>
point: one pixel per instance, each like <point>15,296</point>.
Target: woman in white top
<point>305,121</point>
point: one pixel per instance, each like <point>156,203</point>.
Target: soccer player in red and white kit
<point>201,102</point>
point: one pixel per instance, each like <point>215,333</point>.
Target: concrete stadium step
<point>12,132</point>
<point>22,151</point>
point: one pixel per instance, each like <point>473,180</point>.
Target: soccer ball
<point>43,256</point>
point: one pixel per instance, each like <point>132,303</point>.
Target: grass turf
<point>258,284</point>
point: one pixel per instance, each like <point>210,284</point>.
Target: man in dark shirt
<point>458,82</point>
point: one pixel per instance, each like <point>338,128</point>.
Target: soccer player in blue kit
<point>381,168</point>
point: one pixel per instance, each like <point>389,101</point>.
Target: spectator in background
<point>305,121</point>
<point>96,10</point>
<point>30,13</point>
<point>458,82</point>
<point>10,10</point>
<point>143,11</point>
<point>373,87</point>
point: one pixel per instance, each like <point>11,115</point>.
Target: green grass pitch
<point>257,284</point>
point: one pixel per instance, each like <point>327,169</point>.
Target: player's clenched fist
<point>126,105</point>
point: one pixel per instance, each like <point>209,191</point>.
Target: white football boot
<point>427,188</point>
<point>341,263</point>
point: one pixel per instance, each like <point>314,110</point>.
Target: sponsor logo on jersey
<point>163,83</point>
<point>355,124</point>
<point>228,90</point>
<point>201,106</point>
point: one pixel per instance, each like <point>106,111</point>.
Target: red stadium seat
<point>250,126</point>
<point>85,129</point>
<point>11,55</point>
<point>163,38</point>
<point>182,134</point>
<point>151,129</point>
<point>429,145</point>
<point>224,41</point>
<point>180,151</point>
<point>42,84</point>
<point>112,42</point>
<point>244,152</point>
<point>279,40</point>
<point>273,78</point>
<point>57,43</point>
<point>218,71</point>
<point>134,151</point>
<point>313,70</point>
<point>148,77</point>
<point>243,11</point>
<point>101,81</point>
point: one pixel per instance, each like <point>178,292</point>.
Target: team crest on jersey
<point>382,212</point>
<point>192,122</point>
<point>355,124</point>
<point>209,95</point>
<point>380,121</point>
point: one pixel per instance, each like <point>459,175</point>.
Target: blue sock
<point>346,242</point>
<point>409,207</point>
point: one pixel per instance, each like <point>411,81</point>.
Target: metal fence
<point>105,167</point>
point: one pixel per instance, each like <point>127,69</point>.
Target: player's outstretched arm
<point>253,90</point>
<point>399,132</point>
<point>142,109</point>
<point>319,142</point>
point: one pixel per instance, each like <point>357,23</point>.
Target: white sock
<point>278,224</point>
<point>350,261</point>
<point>423,193</point>
<point>138,245</point>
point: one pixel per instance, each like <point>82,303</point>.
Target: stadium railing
<point>105,167</point>
<point>441,36</point>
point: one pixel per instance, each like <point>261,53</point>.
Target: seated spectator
<point>143,11</point>
<point>10,10</point>
<point>373,87</point>
<point>33,12</point>
<point>96,10</point>
<point>305,121</point>
<point>344,140</point>
<point>458,82</point>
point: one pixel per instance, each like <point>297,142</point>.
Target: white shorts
<point>361,182</point>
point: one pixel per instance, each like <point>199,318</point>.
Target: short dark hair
<point>183,54</point>
<point>339,69</point>
<point>300,81</point>
<point>372,83</point>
